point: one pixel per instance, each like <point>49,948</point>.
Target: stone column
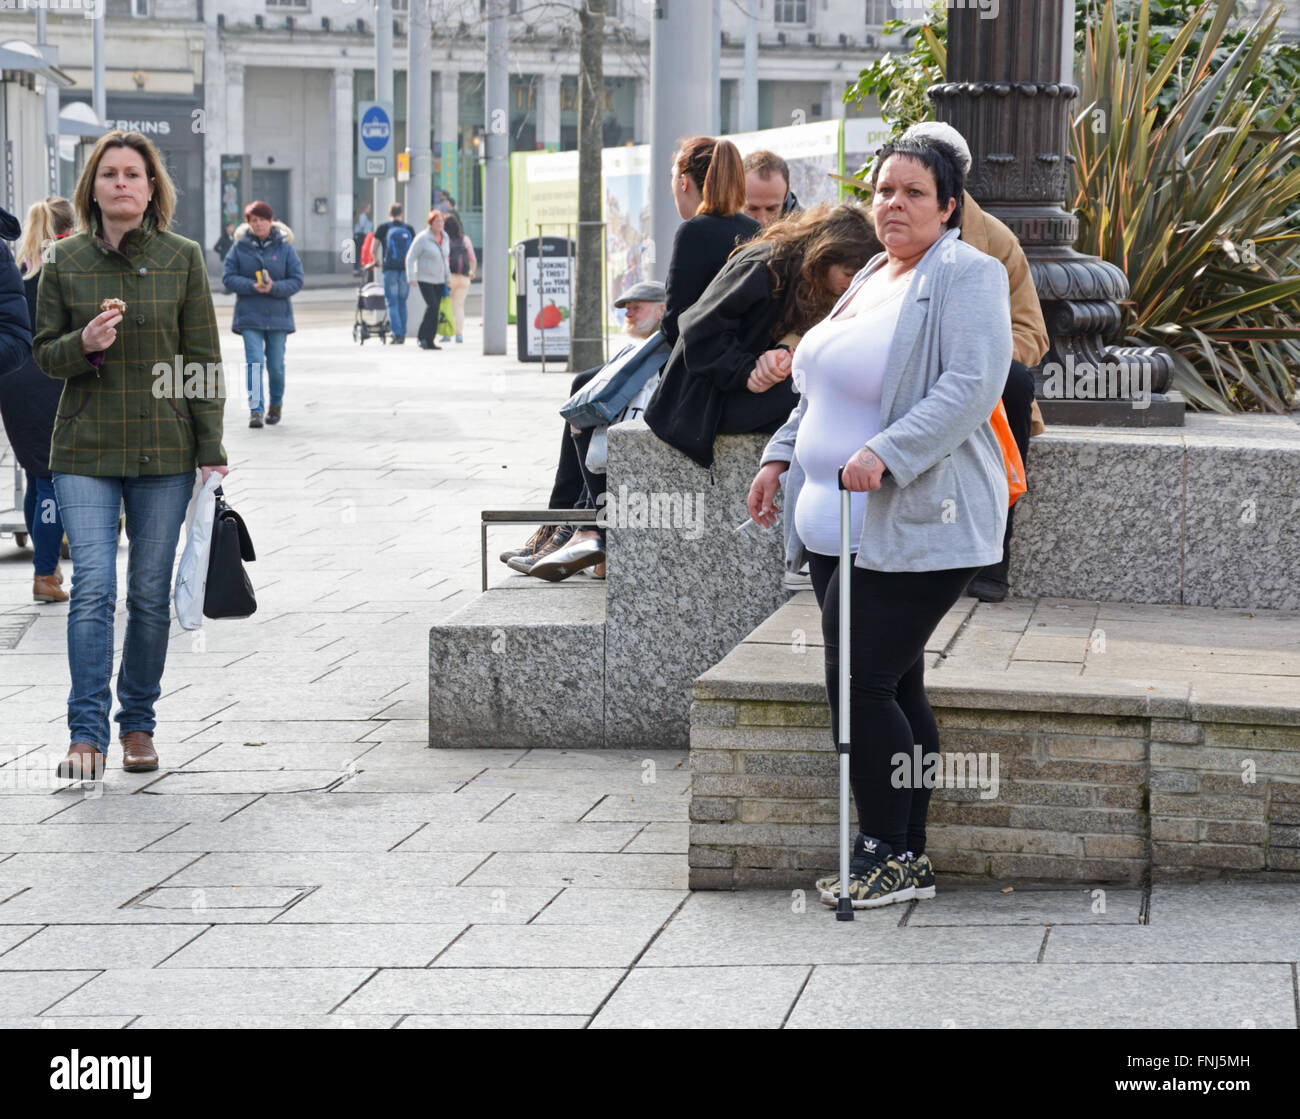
<point>447,131</point>
<point>343,205</point>
<point>833,99</point>
<point>1005,95</point>
<point>548,112</point>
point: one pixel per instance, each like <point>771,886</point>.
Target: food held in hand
<point>550,316</point>
<point>111,304</point>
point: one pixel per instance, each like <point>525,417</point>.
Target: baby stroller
<point>372,314</point>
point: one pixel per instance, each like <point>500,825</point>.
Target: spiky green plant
<point>1192,203</point>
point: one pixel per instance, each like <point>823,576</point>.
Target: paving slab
<point>105,838</point>
<point>318,868</point>
<point>661,838</point>
<point>989,905</point>
<point>577,905</point>
<point>25,993</point>
<point>644,807</point>
<point>663,872</point>
<point>1043,996</point>
<point>594,945</point>
<point>494,1022</point>
<point>530,809</point>
<point>703,998</point>
<point>144,808</point>
<point>254,1021</point>
<point>380,903</point>
<point>239,834</point>
<point>602,838</point>
<point>564,991</point>
<point>102,1022</point>
<point>1271,942</point>
<point>315,946</point>
<point>87,947</point>
<point>220,991</point>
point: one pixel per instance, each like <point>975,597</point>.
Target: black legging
<point>892,615</point>
<point>432,294</point>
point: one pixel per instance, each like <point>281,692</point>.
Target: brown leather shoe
<point>46,588</point>
<point>273,414</point>
<point>82,763</point>
<point>138,754</point>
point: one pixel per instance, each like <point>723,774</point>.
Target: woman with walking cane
<point>897,385</point>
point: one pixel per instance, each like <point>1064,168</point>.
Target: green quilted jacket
<point>153,402</point>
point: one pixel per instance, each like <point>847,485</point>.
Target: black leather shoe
<point>988,589</point>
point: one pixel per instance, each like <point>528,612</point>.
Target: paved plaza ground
<point>302,858</point>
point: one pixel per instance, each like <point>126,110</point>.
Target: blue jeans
<point>396,286</point>
<point>44,525</point>
<point>264,349</point>
<point>155,512</point>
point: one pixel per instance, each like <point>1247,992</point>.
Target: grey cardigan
<point>426,260</point>
<point>944,504</point>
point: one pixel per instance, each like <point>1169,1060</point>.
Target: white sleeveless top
<point>839,367</point>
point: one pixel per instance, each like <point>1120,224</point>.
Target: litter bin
<point>544,297</point>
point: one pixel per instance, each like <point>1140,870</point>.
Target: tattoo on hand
<point>868,459</point>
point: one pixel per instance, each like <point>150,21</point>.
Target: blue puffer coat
<point>276,256</point>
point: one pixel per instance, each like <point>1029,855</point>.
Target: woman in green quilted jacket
<point>124,318</point>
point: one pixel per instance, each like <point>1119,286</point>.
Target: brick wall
<point>1081,797</point>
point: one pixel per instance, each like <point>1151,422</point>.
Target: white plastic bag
<point>192,572</point>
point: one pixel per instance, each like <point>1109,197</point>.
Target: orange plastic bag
<point>1010,454</point>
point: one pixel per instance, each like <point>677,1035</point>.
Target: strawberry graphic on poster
<point>550,316</point>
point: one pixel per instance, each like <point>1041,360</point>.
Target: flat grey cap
<point>647,291</point>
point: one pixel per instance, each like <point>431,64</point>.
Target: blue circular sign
<point>375,129</point>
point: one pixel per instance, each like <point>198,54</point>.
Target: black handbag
<point>229,593</point>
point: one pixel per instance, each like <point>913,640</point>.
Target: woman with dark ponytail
<point>709,191</point>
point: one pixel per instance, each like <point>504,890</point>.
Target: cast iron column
<point>1005,95</point>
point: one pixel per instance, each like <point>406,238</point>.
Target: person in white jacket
<point>427,265</point>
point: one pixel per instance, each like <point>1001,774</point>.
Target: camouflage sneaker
<point>922,871</point>
<point>831,883</point>
<point>885,883</point>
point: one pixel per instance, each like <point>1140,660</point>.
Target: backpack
<point>458,258</point>
<point>396,241</point>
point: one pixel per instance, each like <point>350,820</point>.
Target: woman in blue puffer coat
<point>263,271</point>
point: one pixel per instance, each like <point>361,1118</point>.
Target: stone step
<point>522,665</point>
<point>1047,773</point>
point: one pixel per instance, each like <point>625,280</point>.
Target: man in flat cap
<point>643,304</point>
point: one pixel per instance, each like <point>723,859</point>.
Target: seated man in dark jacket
<point>576,487</point>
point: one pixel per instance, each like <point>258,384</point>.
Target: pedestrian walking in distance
<point>392,243</point>
<point>426,265</point>
<point>117,298</point>
<point>264,272</point>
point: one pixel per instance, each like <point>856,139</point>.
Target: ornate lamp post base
<point>1018,129</point>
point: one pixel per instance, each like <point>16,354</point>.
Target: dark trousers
<point>1018,400</point>
<point>892,615</point>
<point>569,479</point>
<point>432,294</point>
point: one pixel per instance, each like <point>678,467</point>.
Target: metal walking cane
<point>844,908</point>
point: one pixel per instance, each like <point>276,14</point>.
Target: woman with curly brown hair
<point>729,370</point>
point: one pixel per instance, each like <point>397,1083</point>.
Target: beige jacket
<point>1029,340</point>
